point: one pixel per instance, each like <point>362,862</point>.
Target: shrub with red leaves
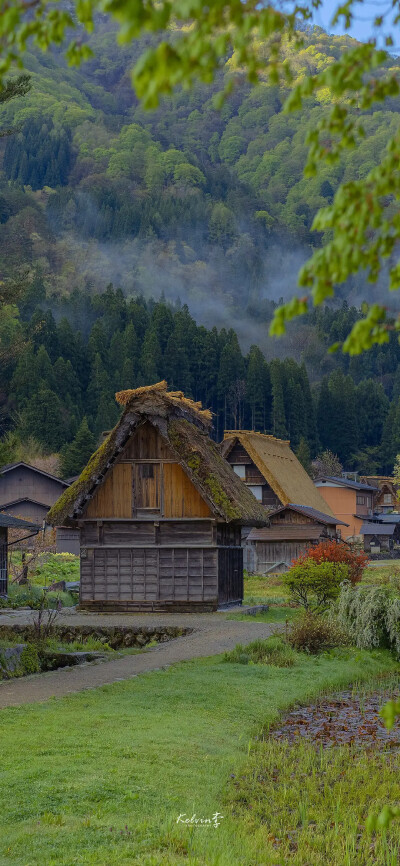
<point>333,551</point>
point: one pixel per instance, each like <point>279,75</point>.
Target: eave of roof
<point>26,499</point>
<point>377,529</point>
<point>8,467</point>
<point>286,532</point>
<point>344,482</point>
<point>313,513</point>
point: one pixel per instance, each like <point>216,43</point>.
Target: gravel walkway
<point>213,634</point>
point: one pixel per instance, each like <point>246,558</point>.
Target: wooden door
<point>230,574</point>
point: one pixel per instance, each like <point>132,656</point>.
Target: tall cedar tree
<point>77,453</point>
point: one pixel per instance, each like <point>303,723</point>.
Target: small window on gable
<point>146,470</point>
<point>387,498</point>
<point>240,469</point>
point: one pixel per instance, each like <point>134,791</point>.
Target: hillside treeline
<point>65,364</point>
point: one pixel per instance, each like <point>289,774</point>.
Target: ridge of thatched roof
<point>279,466</point>
<point>132,396</point>
<point>183,425</point>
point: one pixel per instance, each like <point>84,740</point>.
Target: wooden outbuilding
<point>7,521</point>
<point>380,537</point>
<point>159,511</point>
<point>290,531</point>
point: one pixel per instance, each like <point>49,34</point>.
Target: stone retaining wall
<point>116,636</point>
<point>18,660</point>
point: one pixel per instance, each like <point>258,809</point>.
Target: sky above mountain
<point>365,13</point>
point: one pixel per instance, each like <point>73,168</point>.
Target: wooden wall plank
<point>145,574</point>
<point>147,444</point>
<point>181,499</point>
<point>113,497</point>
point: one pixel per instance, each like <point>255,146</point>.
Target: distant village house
<point>387,494</point>
<point>350,501</point>
<point>290,531</point>
<point>28,493</point>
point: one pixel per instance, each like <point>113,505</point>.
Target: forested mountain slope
<point>206,206</point>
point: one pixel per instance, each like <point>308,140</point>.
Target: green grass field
<point>101,777</point>
<point>271,588</point>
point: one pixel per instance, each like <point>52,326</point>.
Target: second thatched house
<point>271,470</point>
<point>297,514</point>
<point>159,511</point>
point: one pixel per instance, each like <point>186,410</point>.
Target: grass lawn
<point>275,613</point>
<point>382,571</point>
<point>264,590</point>
<point>101,777</point>
<point>270,589</point>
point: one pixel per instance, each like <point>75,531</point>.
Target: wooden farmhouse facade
<point>387,493</point>
<point>290,531</point>
<point>159,511</point>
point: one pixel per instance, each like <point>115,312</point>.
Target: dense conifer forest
<point>71,357</point>
<point>141,245</point>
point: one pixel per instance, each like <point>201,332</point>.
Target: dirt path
<point>213,634</point>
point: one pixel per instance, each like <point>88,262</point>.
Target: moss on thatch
<point>84,483</point>
<point>184,425</point>
<point>213,476</point>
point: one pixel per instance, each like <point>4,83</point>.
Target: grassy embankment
<point>271,590</point>
<point>100,777</point>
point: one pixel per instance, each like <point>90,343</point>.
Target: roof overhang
<point>8,521</point>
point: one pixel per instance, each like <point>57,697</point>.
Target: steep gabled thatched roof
<point>184,426</point>
<point>279,466</point>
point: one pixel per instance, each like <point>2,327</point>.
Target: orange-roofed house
<point>350,501</point>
